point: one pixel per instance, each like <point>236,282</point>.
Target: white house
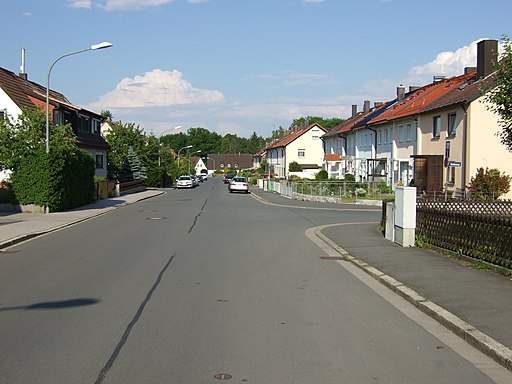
<point>301,145</point>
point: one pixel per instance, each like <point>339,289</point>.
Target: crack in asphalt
<point>197,216</point>
<point>126,334</point>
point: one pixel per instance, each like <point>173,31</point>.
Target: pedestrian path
<point>17,227</point>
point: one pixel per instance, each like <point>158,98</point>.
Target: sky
<point>242,66</point>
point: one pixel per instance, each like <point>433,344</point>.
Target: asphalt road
<point>201,286</point>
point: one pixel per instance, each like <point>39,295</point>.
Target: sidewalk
<point>474,304</point>
<point>17,227</point>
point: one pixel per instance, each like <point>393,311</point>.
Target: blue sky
<point>243,66</point>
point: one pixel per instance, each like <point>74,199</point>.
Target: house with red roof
<point>435,136</point>
<point>458,131</point>
<point>301,145</point>
<point>17,93</point>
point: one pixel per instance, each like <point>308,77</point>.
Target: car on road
<point>185,182</point>
<point>238,184</point>
<point>228,177</point>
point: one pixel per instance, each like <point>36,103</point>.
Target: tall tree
<point>120,138</point>
<point>500,97</point>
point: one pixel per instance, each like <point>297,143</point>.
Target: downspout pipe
<point>375,142</point>
<point>464,169</point>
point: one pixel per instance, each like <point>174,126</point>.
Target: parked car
<point>185,182</point>
<point>195,180</point>
<point>238,184</point>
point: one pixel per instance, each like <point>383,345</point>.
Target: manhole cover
<point>223,376</point>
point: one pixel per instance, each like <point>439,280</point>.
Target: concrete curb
<point>477,339</point>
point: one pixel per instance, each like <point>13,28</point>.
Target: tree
<point>294,167</point>
<point>500,97</point>
<point>489,184</point>
<point>120,138</point>
<point>132,168</point>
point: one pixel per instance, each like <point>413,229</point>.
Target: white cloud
<point>130,5</point>
<point>80,4</point>
<point>290,78</point>
<point>157,88</point>
<point>313,1</point>
<point>26,14</point>
<point>445,64</point>
<point>197,1</point>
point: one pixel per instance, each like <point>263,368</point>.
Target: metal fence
<point>482,230</point>
<point>345,190</point>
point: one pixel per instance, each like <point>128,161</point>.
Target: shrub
<point>349,177</point>
<point>322,175</point>
<point>294,167</point>
<point>489,184</point>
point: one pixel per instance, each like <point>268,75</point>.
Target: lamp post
<point>91,48</point>
<point>159,136</point>
<point>187,147</point>
<point>190,154</point>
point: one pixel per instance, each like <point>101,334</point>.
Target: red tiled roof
<point>332,157</point>
<point>466,92</point>
<point>293,135</point>
<point>421,99</point>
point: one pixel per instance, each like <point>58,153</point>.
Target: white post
<point>405,216</point>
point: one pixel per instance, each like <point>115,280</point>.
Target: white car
<point>238,184</point>
<point>185,182</point>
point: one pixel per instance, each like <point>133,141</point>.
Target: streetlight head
<point>178,127</point>
<point>189,146</point>
<point>102,45</point>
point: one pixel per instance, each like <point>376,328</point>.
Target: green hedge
<point>62,180</point>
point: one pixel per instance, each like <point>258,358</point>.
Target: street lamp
<point>190,154</point>
<point>159,136</point>
<point>187,147</point>
<point>91,48</point>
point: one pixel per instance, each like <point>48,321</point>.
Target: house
<point>224,162</point>
<point>199,165</point>
<point>17,93</point>
<point>301,145</point>
<point>458,131</point>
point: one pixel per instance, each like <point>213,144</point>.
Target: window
<point>436,126</point>
<point>3,114</point>
<point>400,133</point>
<point>379,137</point>
<point>301,153</point>
<point>59,117</point>
<point>452,117</point>
<point>314,134</point>
<point>99,161</point>
<point>96,126</point>
<point>85,124</point>
<point>386,138</point>
<point>408,132</point>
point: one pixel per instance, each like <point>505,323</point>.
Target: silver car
<point>238,184</point>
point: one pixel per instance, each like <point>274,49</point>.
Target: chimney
<point>378,104</point>
<point>354,110</point>
<point>486,58</point>
<point>366,106</point>
<point>469,70</point>
<point>413,88</point>
<point>400,92</point>
<point>22,73</point>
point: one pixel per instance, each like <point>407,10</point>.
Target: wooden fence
<point>482,230</point>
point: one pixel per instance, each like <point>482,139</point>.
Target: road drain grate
<point>223,376</point>
<point>331,257</point>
